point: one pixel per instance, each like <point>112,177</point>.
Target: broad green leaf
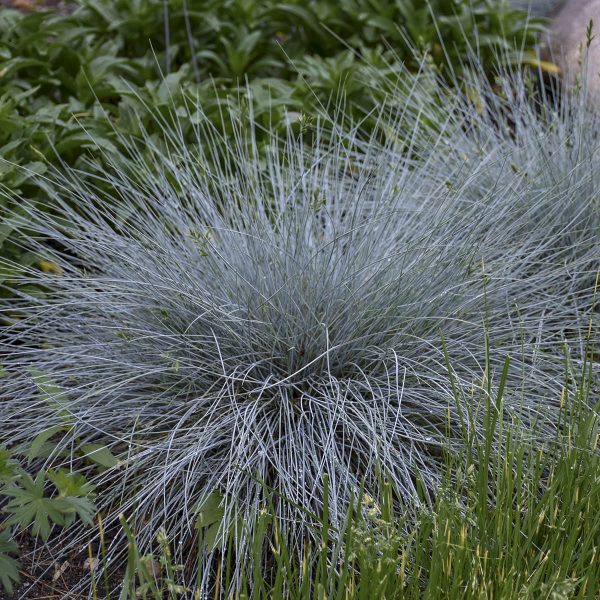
<point>73,507</point>
<point>70,483</point>
<point>5,230</point>
<point>211,514</point>
<point>25,94</point>
<point>39,446</point>
<point>210,511</point>
<point>53,394</point>
<point>210,537</point>
<point>100,455</point>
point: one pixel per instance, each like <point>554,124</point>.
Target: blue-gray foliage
<point>237,319</point>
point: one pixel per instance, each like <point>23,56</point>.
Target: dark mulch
<point>47,573</point>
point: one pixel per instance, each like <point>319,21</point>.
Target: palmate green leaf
<point>40,447</point>
<point>70,484</point>
<point>9,566</point>
<point>75,496</point>
<point>73,507</point>
<point>29,506</point>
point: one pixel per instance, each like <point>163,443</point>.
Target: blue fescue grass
<point>229,321</point>
<point>520,520</point>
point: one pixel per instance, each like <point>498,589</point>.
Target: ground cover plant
<point>231,330</point>
<point>330,354</point>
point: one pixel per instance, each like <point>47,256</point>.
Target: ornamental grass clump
<point>539,149</point>
<point>529,154</point>
<point>236,324</point>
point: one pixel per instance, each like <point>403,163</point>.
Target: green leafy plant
<point>31,506</point>
<point>9,467</point>
<point>9,563</point>
<point>88,90</point>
